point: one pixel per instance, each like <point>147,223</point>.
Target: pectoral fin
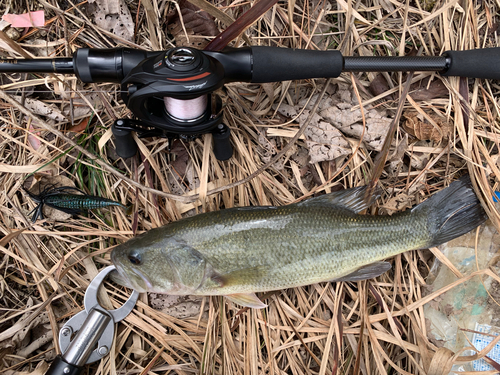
<point>367,272</point>
<point>240,276</point>
<point>247,300</point>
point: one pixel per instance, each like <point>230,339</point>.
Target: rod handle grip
<point>273,64</point>
<point>474,63</point>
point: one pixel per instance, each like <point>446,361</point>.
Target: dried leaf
<point>420,159</point>
<point>177,306</point>
<point>114,16</point>
<point>182,157</point>
<point>40,336</point>
<point>322,24</point>
<point>81,107</point>
<point>57,275</point>
<point>337,110</point>
<point>175,28</point>
<point>379,85</point>
<point>40,369</point>
<point>12,33</point>
<point>31,19</point>
<point>5,240</point>
<point>7,79</point>
<point>287,110</point>
<point>398,203</point>
<point>350,123</point>
<point>395,162</point>
<point>436,89</point>
<point>325,141</point>
<point>196,21</point>
<point>13,336</point>
<point>9,45</point>
<point>420,90</point>
<point>33,137</point>
<point>80,127</point>
<point>418,126</point>
<point>269,147</point>
<point>40,108</point>
<point>40,48</point>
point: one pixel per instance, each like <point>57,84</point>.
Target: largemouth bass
<point>237,252</point>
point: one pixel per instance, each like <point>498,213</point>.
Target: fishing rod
<point>171,93</point>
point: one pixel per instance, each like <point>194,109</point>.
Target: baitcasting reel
<point>171,93</point>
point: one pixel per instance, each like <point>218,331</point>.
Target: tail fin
<point>453,211</point>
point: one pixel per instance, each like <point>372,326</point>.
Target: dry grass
<point>373,327</point>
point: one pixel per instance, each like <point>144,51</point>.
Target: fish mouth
<point>120,277</point>
<point>148,285</point>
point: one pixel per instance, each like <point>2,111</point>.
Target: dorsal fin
<point>352,199</point>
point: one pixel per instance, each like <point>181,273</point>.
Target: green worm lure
<point>64,199</point>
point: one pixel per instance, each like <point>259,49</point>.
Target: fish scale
<point>294,254</point>
<point>237,252</point>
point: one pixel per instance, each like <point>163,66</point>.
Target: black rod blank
<point>63,65</point>
<point>395,64</point>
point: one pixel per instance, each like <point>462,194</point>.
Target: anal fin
<point>367,272</point>
<point>246,300</point>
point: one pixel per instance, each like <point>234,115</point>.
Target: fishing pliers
<point>88,336</point>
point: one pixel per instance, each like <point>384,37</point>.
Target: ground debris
<point>327,131</point>
<point>177,306</point>
<point>325,141</point>
<point>113,16</point>
<point>196,23</point>
<point>16,335</point>
<point>350,121</point>
<point>40,369</point>
<point>419,126</point>
<point>40,108</point>
<point>397,204</point>
<point>377,326</point>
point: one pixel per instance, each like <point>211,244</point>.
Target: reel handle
<point>221,142</point>
<point>125,145</point>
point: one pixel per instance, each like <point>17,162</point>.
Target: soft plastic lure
<point>64,199</point>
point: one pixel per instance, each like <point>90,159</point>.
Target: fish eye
<point>134,259</point>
